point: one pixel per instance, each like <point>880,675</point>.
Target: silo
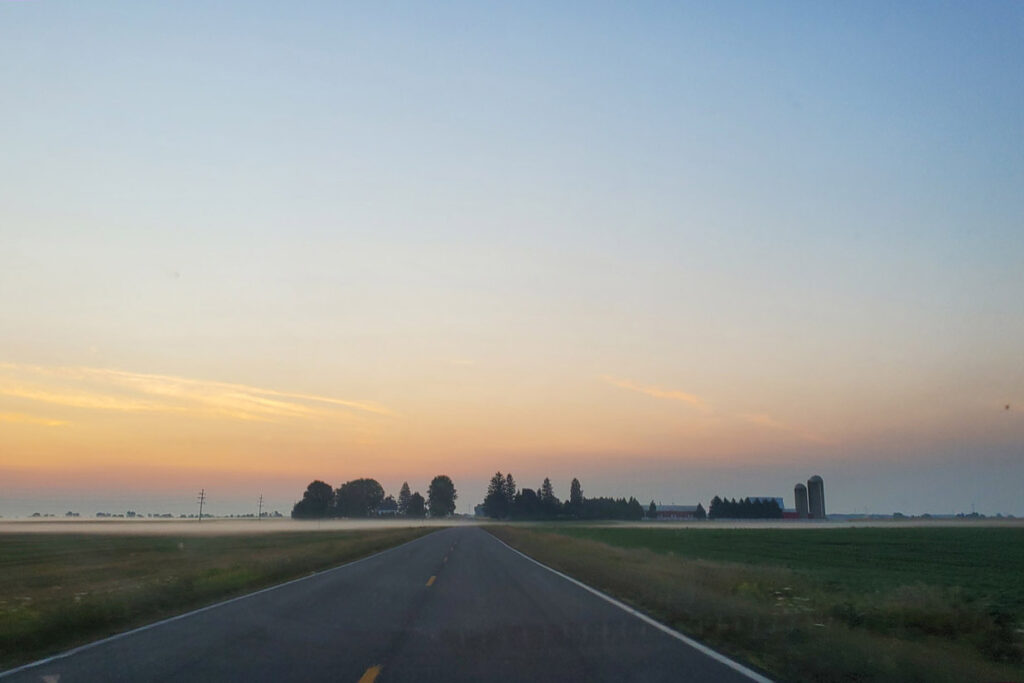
<point>816,497</point>
<point>801,500</point>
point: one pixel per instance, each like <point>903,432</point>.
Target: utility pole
<point>259,515</point>
<point>201,498</point>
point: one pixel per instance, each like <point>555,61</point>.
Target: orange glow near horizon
<point>91,423</point>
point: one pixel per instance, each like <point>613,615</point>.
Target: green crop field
<point>863,604</point>
<point>58,590</point>
<point>984,563</point>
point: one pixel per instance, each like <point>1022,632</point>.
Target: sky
<point>672,249</point>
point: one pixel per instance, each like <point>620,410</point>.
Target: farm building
<point>681,511</point>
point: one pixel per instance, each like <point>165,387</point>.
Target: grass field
<point>858,604</point>
<point>59,590</point>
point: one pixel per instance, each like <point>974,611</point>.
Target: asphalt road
<point>455,605</point>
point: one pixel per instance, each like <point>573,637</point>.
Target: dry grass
<point>785,623</point>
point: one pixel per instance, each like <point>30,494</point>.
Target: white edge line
<point>125,634</point>
<point>700,647</point>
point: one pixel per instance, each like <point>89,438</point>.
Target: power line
<point>201,498</point>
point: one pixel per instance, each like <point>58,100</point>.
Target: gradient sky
<point>671,249</point>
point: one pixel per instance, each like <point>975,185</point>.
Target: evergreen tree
<point>510,490</point>
<point>403,499</point>
<point>575,504</point>
<point>496,503</point>
<point>652,511</point>
<point>549,503</point>
<point>547,491</point>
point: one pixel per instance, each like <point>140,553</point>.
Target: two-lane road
<point>456,605</point>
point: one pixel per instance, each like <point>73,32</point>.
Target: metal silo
<point>816,497</point>
<point>801,500</point>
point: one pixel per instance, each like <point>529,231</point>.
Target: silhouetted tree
<point>575,504</point>
<point>316,501</point>
<point>652,511</point>
<point>495,503</point>
<point>548,501</point>
<point>746,508</point>
<point>547,491</point>
<point>527,505</point>
<point>416,507</point>
<point>441,496</point>
<point>510,490</point>
<point>611,508</point>
<point>358,498</point>
<point>403,498</point>
<point>699,513</point>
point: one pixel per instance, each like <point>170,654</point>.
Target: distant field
<point>863,604</point>
<point>61,589</point>
<point>983,563</point>
<point>208,527</point>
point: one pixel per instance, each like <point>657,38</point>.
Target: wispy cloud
<point>122,391</point>
<point>762,420</point>
<point>657,392</point>
<point>30,419</point>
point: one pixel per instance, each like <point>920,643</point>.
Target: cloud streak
<point>131,392</point>
<point>758,419</point>
<point>22,418</point>
<point>657,392</point>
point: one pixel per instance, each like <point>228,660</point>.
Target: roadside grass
<point>814,605</point>
<point>61,590</point>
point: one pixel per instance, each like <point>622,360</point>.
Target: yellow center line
<point>430,582</point>
<point>371,674</point>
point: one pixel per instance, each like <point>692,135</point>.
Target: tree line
<point>366,498</point>
<point>505,500</point>
<point>747,508</point>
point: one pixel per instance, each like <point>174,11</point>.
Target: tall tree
<point>575,497</point>
<point>547,491</point>
<point>652,511</point>
<point>441,496</point>
<point>403,498</point>
<point>316,501</point>
<point>510,489</point>
<point>416,506</point>
<point>358,498</point>
<point>548,501</point>
<point>495,503</point>
<point>636,510</point>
